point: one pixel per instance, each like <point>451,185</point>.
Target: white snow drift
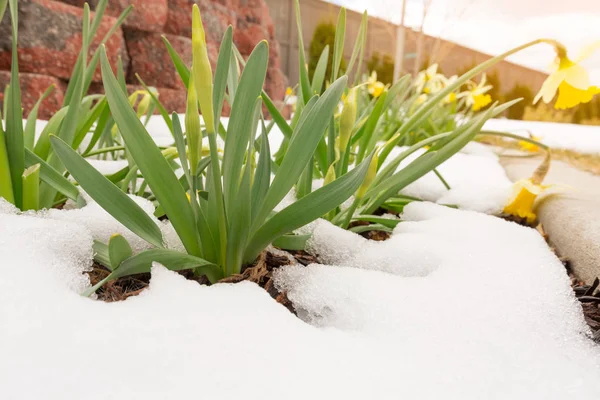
<point>456,305</point>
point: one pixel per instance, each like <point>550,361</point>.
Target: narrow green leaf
<point>31,188</point>
<point>222,72</point>
<point>262,176</point>
<point>42,146</point>
<point>301,148</point>
<point>305,89</point>
<point>107,195</point>
<point>239,129</point>
<point>320,70</point>
<point>338,45</point>
<point>29,133</point>
<point>291,242</point>
<point>101,255</point>
<point>15,145</point>
<point>6,189</point>
<point>307,209</point>
<point>118,250</point>
<point>361,41</point>
<point>150,161</point>
<point>172,260</point>
<point>52,177</point>
<point>182,69</point>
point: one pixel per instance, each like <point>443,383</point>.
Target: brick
<point>32,88</point>
<point>151,60</point>
<point>50,39</point>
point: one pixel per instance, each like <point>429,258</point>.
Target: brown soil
<point>260,272</point>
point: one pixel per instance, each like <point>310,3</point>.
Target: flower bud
<point>369,177</point>
<point>202,71</point>
<point>347,119</point>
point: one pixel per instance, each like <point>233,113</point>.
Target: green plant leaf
<point>107,195</point>
<point>31,188</point>
<point>338,45</point>
<point>182,69</point>
<point>307,209</point>
<point>320,70</point>
<point>172,260</point>
<point>15,146</point>
<point>42,146</point>
<point>52,177</point>
<point>29,133</point>
<point>222,72</point>
<point>291,242</point>
<point>101,255</point>
<point>305,89</point>
<point>301,148</point>
<point>239,129</point>
<point>262,176</point>
<point>118,250</point>
<point>150,161</point>
<point>6,189</point>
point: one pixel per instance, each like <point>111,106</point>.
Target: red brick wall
<point>50,40</point>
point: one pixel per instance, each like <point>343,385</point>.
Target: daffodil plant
<point>226,216</point>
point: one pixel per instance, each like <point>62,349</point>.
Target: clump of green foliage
<point>383,65</point>
<point>519,91</point>
<point>323,39</point>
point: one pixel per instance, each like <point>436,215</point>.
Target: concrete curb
<point>571,219</point>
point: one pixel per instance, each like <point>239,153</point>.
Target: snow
<point>477,180</point>
<point>580,138</point>
<point>442,311</point>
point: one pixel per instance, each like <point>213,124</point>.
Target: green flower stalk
<point>202,79</point>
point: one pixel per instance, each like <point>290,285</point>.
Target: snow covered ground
<point>456,305</point>
<point>580,138</point>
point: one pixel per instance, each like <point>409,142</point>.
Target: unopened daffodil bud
<point>369,177</point>
<point>202,71</point>
<point>347,119</point>
<point>569,78</point>
<point>330,175</point>
<point>192,126</point>
<point>144,104</point>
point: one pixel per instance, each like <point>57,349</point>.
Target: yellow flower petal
<point>577,77</point>
<point>480,101</point>
<point>550,86</point>
<point>523,199</point>
<point>288,91</point>
<point>569,96</point>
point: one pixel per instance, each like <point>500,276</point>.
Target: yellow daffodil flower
<point>429,81</point>
<point>476,95</point>
<point>288,91</point>
<point>530,146</point>
<point>522,203</point>
<point>480,101</point>
<point>451,98</point>
<point>375,87</point>
<point>569,79</point>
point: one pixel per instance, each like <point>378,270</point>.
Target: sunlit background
<point>494,26</point>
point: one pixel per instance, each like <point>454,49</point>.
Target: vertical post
<point>399,55</point>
